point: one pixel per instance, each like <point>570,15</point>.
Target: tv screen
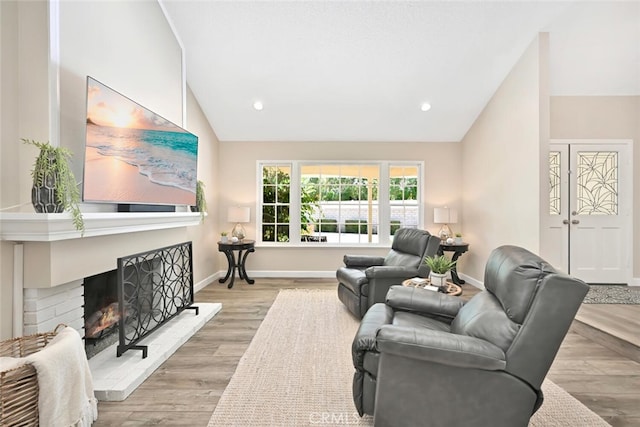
<point>134,156</point>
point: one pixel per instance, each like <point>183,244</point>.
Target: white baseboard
<point>472,281</point>
<point>635,281</point>
<point>267,274</point>
<point>205,282</point>
<point>293,274</point>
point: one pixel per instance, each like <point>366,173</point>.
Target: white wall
<point>205,251</point>
<point>238,186</point>
<point>603,117</point>
<point>127,45</point>
<point>501,167</point>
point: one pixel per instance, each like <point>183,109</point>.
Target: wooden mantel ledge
<point>49,227</point>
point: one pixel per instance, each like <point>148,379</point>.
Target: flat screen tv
<point>134,156</point>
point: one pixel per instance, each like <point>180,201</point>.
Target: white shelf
<point>36,227</point>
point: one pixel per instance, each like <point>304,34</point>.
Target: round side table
<point>453,289</point>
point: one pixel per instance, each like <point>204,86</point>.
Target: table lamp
<point>239,215</point>
<point>445,216</point>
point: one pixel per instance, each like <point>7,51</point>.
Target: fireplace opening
<point>127,304</point>
<point>101,312</point>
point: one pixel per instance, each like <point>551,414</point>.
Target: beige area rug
<point>297,371</point>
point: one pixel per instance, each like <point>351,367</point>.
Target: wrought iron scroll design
<point>554,183</point>
<point>597,180</point>
<point>153,287</point>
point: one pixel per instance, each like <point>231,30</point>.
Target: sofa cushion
<point>416,321</point>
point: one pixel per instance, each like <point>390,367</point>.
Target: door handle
<point>575,221</point>
<point>565,221</point>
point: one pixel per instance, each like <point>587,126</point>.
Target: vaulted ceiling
<point>362,70</point>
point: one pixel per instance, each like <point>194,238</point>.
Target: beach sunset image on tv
<point>133,155</point>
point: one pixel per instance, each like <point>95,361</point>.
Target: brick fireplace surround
<point>51,260</point>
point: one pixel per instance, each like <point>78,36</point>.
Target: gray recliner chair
<point>365,279</point>
<point>426,358</point>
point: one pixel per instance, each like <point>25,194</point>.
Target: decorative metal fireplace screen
<point>153,287</point>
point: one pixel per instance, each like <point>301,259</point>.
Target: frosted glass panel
<point>554,183</point>
<point>597,183</point>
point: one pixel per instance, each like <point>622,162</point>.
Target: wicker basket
<point>19,386</point>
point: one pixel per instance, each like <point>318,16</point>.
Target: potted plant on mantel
<point>439,266</point>
<point>201,201</point>
<point>55,188</point>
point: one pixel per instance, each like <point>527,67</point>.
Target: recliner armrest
<point>422,301</point>
<point>365,339</point>
<point>362,261</point>
<point>391,272</point>
<point>445,348</point>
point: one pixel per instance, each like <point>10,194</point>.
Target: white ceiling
<point>360,70</point>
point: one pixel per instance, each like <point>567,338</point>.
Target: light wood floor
<point>185,389</point>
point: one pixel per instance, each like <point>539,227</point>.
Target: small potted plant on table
<point>439,266</point>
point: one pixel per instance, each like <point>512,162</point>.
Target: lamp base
<point>445,232</point>
<point>238,231</point>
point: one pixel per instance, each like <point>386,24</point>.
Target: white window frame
<point>384,205</point>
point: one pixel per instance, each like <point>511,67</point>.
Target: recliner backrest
<point>526,309</point>
<point>513,275</point>
<point>408,247</point>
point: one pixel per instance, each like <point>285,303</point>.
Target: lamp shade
<point>445,216</point>
<point>238,214</point>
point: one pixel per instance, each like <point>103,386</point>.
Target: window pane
<point>268,233</point>
<point>395,192</point>
<point>554,183</point>
<point>597,180</point>
<point>283,194</point>
<point>276,191</point>
<point>330,193</point>
<point>269,194</point>
<point>284,175</point>
<point>268,214</point>
<point>283,233</point>
<point>403,197</point>
<point>350,192</point>
<point>282,214</point>
<point>269,175</point>
<point>341,205</point>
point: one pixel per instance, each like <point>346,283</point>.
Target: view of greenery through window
<point>339,203</point>
<point>276,196</point>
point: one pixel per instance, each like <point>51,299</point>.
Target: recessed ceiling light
<point>425,106</point>
<point>258,105</point>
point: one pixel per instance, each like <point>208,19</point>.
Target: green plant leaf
<point>54,161</point>
<point>439,264</point>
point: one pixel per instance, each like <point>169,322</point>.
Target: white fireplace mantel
<point>50,227</point>
<point>63,255</point>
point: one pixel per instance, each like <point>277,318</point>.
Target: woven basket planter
<point>19,386</point>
